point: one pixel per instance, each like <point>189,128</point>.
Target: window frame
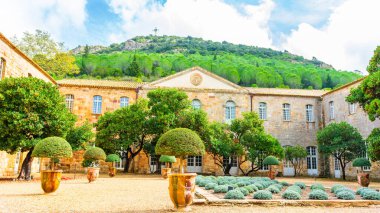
<point>263,111</point>
<point>198,104</point>
<point>96,107</point>
<point>351,108</point>
<point>310,113</point>
<point>124,103</point>
<point>331,110</point>
<point>312,157</point>
<point>286,108</point>
<point>69,101</point>
<point>230,111</point>
<point>3,64</point>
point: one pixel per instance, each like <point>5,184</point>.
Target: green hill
<point>159,56</point>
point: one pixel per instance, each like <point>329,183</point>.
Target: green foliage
<point>234,194</point>
<point>279,186</point>
<point>133,69</point>
<point>210,186</point>
<point>371,195</point>
<point>273,189</point>
<point>259,186</point>
<point>284,183</point>
<point>86,163</point>
<point>112,158</point>
<point>335,187</point>
<point>317,186</point>
<point>318,195</point>
<point>221,189</point>
<point>167,159</point>
<point>59,65</point>
<point>262,195</point>
<point>364,190</point>
<point>342,141</point>
<point>366,94</point>
<point>271,160</point>
<point>337,191</point>
<point>295,155</point>
<point>291,195</point>
<point>31,109</point>
<point>180,142</point>
<point>254,187</point>
<point>80,136</point>
<point>53,147</point>
<point>373,142</point>
<point>345,195</point>
<point>295,188</point>
<point>300,184</point>
<point>360,162</point>
<point>94,154</point>
<point>249,188</point>
<point>243,190</point>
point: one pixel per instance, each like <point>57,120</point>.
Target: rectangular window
<point>352,108</point>
<point>2,68</point>
<point>97,105</point>
<point>263,167</point>
<point>70,102</point>
<point>263,111</point>
<point>124,101</point>
<point>311,157</point>
<point>309,113</point>
<point>332,112</point>
<point>286,112</point>
<point>230,111</point>
<point>232,160</point>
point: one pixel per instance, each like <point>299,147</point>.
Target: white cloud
<point>209,19</point>
<point>54,16</point>
<point>348,39</point>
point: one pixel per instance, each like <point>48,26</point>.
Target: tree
<point>367,93</point>
<point>60,65</point>
<point>342,141</point>
<point>295,155</point>
<point>80,136</point>
<point>31,110</point>
<point>373,142</point>
<point>124,130</point>
<point>134,69</point>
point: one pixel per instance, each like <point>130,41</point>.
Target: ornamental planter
<point>92,174</point>
<point>50,180</point>
<point>112,171</point>
<point>272,174</point>
<point>182,190</point>
<point>363,179</point>
<point>165,172</point>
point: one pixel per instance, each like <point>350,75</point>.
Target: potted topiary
<point>53,148</point>
<point>112,158</point>
<point>94,154</point>
<point>271,160</point>
<point>181,142</point>
<point>363,177</point>
<point>168,160</point>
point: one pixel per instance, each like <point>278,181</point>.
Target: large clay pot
<point>112,171</point>
<point>363,179</point>
<point>92,174</point>
<point>165,172</point>
<point>182,189</point>
<point>50,180</point>
<point>272,174</point>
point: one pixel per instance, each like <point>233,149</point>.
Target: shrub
<point>244,191</point>
<point>262,195</point>
<point>112,158</point>
<point>335,187</point>
<point>360,190</point>
<point>259,186</point>
<point>300,184</point>
<point>317,186</point>
<point>360,162</point>
<point>234,194</point>
<point>94,154</point>
<point>284,183</point>
<point>254,187</point>
<point>210,186</point>
<point>86,163</point>
<point>180,142</point>
<point>371,195</point>
<point>221,189</point>
<point>344,189</point>
<point>345,195</point>
<point>167,159</point>
<point>198,179</point>
<point>242,183</point>
<point>249,188</point>
<point>52,147</point>
<point>273,189</point>
<point>203,182</point>
<point>365,190</point>
<point>318,195</point>
<point>265,184</point>
<point>291,195</point>
<point>271,160</point>
<point>295,188</point>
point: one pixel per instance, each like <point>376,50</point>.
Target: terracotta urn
<point>165,172</point>
<point>92,174</point>
<point>50,180</point>
<point>272,174</point>
<point>363,179</point>
<point>182,190</point>
<point>112,171</point>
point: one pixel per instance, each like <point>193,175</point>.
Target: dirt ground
<point>124,193</point>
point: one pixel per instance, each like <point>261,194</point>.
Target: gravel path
<point>126,193</point>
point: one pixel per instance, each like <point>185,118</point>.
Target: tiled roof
<point>99,83</point>
<point>286,92</point>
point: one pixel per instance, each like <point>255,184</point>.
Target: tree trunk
<point>181,168</point>
<point>342,168</point>
<point>227,169</point>
<point>126,166</point>
<point>26,168</point>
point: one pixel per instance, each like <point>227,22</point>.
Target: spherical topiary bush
<point>249,188</point>
<point>259,186</point>
<point>335,187</point>
<point>344,189</point>
<point>254,187</point>
<point>52,147</point>
<point>291,195</point>
<point>210,186</point>
<point>221,189</point>
<point>300,184</point>
<point>234,194</point>
<point>279,186</point>
<point>295,188</point>
<point>167,159</point>
<point>271,160</point>
<point>371,195</point>
<point>284,183</point>
<point>94,154</point>
<point>360,190</point>
<point>361,162</point>
<point>112,158</point>
<point>317,186</point>
<point>243,190</point>
<point>345,195</point>
<point>318,194</point>
<point>365,190</point>
<point>262,195</point>
<point>273,189</point>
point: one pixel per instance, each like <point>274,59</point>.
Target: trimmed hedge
<point>318,194</point>
<point>300,184</point>
<point>234,194</point>
<point>94,154</point>
<point>167,159</point>
<point>262,195</point>
<point>345,195</point>
<point>112,158</point>
<point>221,189</point>
<point>52,147</point>
<point>271,160</point>
<point>273,189</point>
<point>335,187</point>
<point>295,188</point>
<point>371,195</point>
<point>291,195</point>
<point>344,189</point>
<point>317,186</point>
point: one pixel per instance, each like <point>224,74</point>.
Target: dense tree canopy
<point>80,137</point>
<point>373,142</point>
<point>295,155</point>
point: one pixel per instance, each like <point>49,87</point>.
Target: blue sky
<point>338,32</point>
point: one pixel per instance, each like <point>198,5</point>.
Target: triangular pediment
<point>195,78</point>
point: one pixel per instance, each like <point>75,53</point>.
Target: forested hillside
<point>152,57</point>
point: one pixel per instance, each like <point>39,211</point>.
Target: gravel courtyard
<point>125,193</point>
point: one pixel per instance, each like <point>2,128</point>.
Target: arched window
<point>309,113</point>
<point>196,104</point>
<point>70,102</point>
<point>263,111</point>
<point>97,105</point>
<point>332,111</point>
<point>230,110</point>
<point>124,101</point>
<point>286,112</point>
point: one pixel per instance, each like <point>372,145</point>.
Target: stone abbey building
<point>293,116</point>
